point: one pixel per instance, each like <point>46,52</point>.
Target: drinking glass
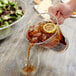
<point>22,61</point>
<point>57,41</point>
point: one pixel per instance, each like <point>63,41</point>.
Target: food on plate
<point>74,13</point>
<point>44,5</point>
<point>37,1</point>
<point>9,12</point>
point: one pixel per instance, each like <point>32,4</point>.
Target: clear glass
<point>57,41</point>
<point>12,28</point>
<point>33,60</point>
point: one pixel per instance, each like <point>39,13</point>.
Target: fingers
<point>56,11</point>
<point>52,10</point>
<point>61,20</point>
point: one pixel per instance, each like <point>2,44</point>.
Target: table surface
<point>59,64</point>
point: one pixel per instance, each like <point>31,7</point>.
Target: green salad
<point>9,12</point>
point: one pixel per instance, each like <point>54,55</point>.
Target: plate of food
<point>41,8</point>
<point>11,15</point>
<point>65,1</point>
<point>74,13</point>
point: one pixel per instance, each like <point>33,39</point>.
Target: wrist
<point>72,5</point>
<point>68,7</point>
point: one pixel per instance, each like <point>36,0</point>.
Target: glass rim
<point>18,19</point>
<point>52,35</point>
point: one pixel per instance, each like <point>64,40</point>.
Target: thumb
<point>53,10</point>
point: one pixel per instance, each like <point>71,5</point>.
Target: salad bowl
<point>11,19</point>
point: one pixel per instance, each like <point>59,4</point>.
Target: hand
<point>61,11</point>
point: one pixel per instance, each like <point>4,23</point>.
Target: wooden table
<point>59,64</point>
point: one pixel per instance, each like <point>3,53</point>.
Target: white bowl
<point>8,30</point>
<point>65,1</point>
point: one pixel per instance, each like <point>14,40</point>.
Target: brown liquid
<point>61,45</point>
<point>58,42</point>
<point>62,42</point>
<point>29,68</point>
<point>36,34</point>
<point>30,46</point>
